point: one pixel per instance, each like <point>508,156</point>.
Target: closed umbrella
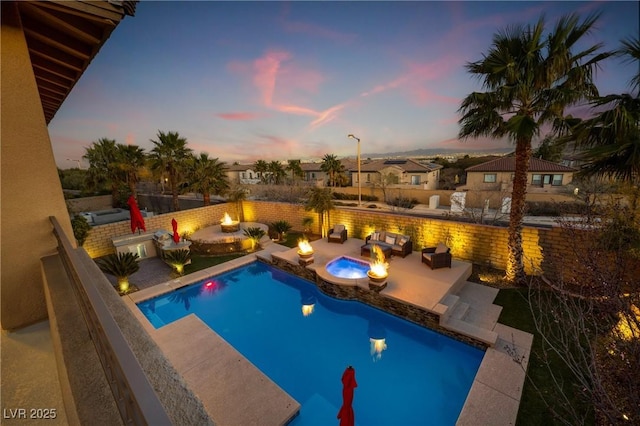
<point>137,221</point>
<point>176,236</point>
<point>346,415</point>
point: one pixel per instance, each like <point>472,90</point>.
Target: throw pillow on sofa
<point>390,240</point>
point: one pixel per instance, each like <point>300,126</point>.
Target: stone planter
<point>376,283</point>
<point>230,227</point>
<point>305,258</point>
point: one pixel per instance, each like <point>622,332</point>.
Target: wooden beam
<point>66,22</point>
<point>53,55</point>
<point>61,41</point>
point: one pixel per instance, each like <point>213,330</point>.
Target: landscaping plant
<point>120,265</point>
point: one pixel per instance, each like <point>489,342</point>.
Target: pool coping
<point>494,396</point>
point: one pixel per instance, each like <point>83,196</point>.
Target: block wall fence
<point>544,248</point>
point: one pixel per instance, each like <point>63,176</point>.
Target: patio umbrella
<point>346,415</point>
<point>137,221</point>
<point>176,236</point>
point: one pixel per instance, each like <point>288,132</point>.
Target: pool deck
<point>236,392</point>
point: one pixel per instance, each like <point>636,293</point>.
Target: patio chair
<point>437,257</point>
<point>337,234</point>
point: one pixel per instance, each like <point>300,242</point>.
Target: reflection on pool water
<point>348,267</point>
<point>303,340</point>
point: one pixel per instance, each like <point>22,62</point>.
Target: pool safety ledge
<point>232,389</point>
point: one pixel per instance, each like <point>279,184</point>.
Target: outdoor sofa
<point>401,245</point>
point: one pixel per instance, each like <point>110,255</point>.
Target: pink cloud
<point>315,30</point>
<point>240,116</point>
<point>266,72</point>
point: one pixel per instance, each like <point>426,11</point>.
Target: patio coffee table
<point>365,250</point>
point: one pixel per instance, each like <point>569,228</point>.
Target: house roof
<point>63,37</point>
<point>508,164</point>
<point>239,167</point>
<point>406,164</point>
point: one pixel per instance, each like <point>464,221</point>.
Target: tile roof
<point>508,164</point>
<point>406,164</point>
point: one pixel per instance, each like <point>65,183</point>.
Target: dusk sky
<point>244,81</point>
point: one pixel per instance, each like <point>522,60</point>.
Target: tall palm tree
<point>261,167</point>
<point>103,167</point>
<point>331,166</point>
<point>295,167</point>
<point>206,176</point>
<point>320,201</point>
<point>612,136</point>
<point>130,160</point>
<point>530,78</point>
<point>169,155</point>
<point>276,172</point>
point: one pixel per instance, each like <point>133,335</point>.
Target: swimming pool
<point>303,340</point>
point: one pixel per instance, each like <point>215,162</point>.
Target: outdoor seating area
<point>400,245</point>
<point>437,257</point>
<point>337,234</point>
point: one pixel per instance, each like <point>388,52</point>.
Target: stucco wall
<point>31,190</point>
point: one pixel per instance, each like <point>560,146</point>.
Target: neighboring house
<point>313,171</point>
<point>243,173</point>
<point>497,175</point>
<point>397,172</point>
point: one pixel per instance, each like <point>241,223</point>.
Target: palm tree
<point>320,200</point>
<point>237,194</point>
<point>529,79</point>
<point>331,166</point>
<point>206,176</point>
<point>261,168</point>
<point>295,167</point>
<point>169,155</point>
<point>612,136</point>
<point>276,172</point>
<point>103,167</point>
<point>130,160</point>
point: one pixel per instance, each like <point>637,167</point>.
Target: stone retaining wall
<point>374,298</point>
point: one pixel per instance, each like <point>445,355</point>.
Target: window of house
<point>242,175</point>
<point>557,180</point>
<point>415,180</point>
<point>368,177</point>
<point>250,175</point>
<point>536,180</point>
<point>490,178</point>
<point>313,175</point>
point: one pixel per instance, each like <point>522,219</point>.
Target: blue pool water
<point>421,378</point>
<point>346,267</point>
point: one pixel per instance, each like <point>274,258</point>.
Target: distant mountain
<point>434,152</point>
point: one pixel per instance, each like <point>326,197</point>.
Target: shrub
<point>120,265</point>
<point>341,196</point>
<point>403,202</point>
<point>281,227</point>
<point>177,259</point>
<point>81,229</point>
<point>254,234</point>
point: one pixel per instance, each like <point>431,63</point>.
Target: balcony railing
<point>136,400</point>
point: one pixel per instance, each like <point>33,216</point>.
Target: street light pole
<point>359,176</point>
<point>76,161</point>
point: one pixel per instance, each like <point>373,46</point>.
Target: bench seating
<point>401,245</point>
